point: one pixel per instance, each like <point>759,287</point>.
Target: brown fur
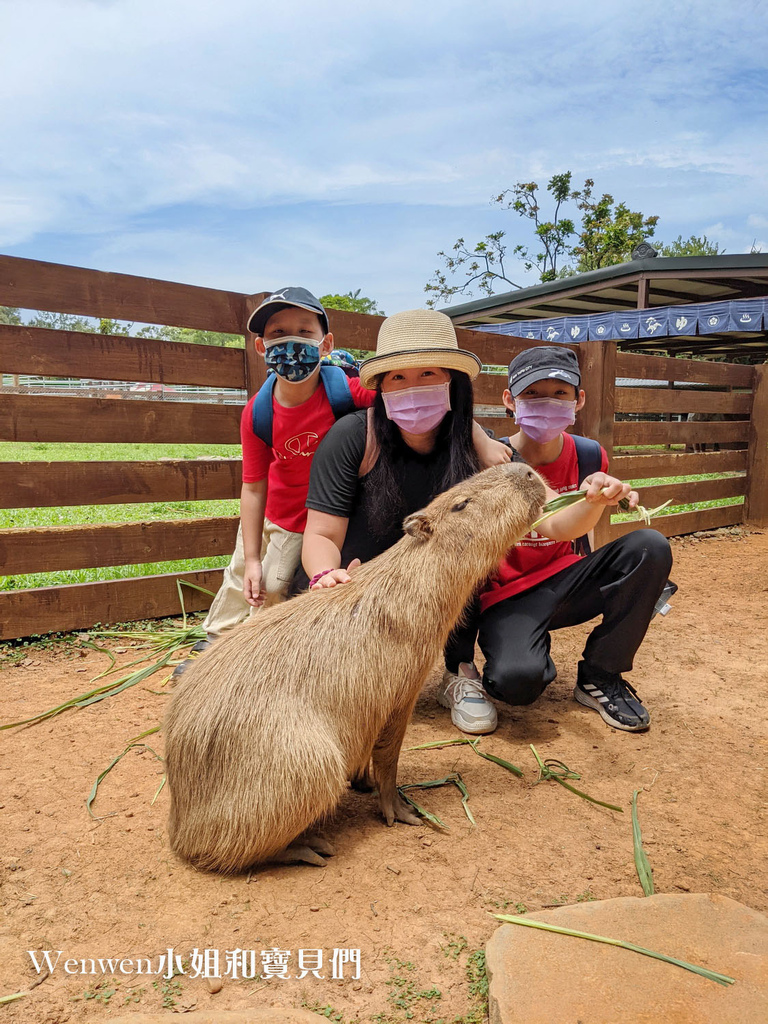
<point>268,725</point>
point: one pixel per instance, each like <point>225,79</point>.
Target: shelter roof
<point>646,284</point>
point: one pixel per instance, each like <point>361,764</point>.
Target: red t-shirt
<point>296,433</point>
<point>535,558</point>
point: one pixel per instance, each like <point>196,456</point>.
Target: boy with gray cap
<point>544,583</point>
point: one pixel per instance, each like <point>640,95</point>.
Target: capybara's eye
<point>460,505</point>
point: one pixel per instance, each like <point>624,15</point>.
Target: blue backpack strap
<point>336,384</point>
<point>261,411</point>
<point>589,456</point>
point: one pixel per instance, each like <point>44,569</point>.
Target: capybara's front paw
<point>397,809</point>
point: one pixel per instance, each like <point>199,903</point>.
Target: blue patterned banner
<point>553,330</point>
<point>746,315</point>
<point>530,329</point>
<point>576,328</point>
<point>713,317</point>
<point>653,325</point>
<point>601,326</point>
<point>663,322</point>
<point>681,320</point>
<point>625,325</point>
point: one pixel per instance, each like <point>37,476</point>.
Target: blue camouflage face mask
<point>292,359</point>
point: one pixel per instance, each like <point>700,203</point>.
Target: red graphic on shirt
<point>300,445</point>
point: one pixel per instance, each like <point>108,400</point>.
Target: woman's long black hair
<point>384,495</point>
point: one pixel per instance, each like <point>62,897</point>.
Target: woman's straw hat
<point>417,337</point>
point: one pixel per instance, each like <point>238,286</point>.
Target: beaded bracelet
<point>317,576</point>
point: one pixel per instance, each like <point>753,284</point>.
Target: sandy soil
<point>415,901</point>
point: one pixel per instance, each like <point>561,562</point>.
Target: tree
<point>696,245</point>
<point>352,302</point>
<point>9,315</point>
<point>606,234</point>
<point>62,322</point>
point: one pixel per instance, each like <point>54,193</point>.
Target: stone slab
<point>539,977</point>
<point>273,1015</point>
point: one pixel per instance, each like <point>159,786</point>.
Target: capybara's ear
<point>418,526</point>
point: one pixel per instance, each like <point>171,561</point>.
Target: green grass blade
<point>644,872</point>
<point>422,811</point>
<point>93,696</point>
<point>135,742</point>
<point>559,772</point>
<point>11,999</point>
<point>440,743</point>
<point>527,922</point>
<point>464,799</point>
<point>586,796</point>
<point>158,791</point>
<point>496,760</point>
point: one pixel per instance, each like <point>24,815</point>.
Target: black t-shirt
<point>336,488</point>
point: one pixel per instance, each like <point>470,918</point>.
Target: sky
<point>340,146</point>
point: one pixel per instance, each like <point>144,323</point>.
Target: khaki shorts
<point>280,557</point>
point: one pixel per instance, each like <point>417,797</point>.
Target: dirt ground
<point>415,901</point>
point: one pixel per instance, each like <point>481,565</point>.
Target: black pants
<point>621,581</point>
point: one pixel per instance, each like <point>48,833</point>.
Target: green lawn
<point>12,451</point>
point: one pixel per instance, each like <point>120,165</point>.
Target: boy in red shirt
<point>543,584</point>
<point>293,337</point>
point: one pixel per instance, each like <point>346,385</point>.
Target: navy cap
<point>284,297</point>
<point>541,363</point>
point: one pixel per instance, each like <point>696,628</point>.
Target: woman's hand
<point>334,576</point>
<point>603,489</point>
<point>253,583</point>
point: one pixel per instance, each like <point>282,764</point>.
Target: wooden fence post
<point>756,496</point>
<point>597,361</point>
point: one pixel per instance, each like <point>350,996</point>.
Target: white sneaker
<point>463,693</point>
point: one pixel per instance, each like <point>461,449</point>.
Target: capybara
<point>267,726</point>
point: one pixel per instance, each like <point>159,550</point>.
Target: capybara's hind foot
<point>396,809</point>
<point>306,850</point>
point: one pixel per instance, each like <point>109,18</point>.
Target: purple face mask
<point>543,419</point>
<point>418,410</point>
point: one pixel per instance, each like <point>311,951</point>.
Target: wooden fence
<point>737,392</point>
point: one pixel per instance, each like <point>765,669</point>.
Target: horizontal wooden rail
<point>646,467</point>
<point>32,284</point>
<point>642,432</point>
<point>692,491</point>
<point>675,400</point>
<point>45,484</point>
<point>685,522</point>
<point>81,605</point>
<point>44,418</point>
<point>689,370</point>
<point>53,548</point>
<point>42,352</point>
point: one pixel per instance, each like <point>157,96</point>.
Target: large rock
<point>276,1015</point>
<point>539,977</point>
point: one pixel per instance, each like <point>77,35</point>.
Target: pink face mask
<point>418,410</point>
<point>543,419</point>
